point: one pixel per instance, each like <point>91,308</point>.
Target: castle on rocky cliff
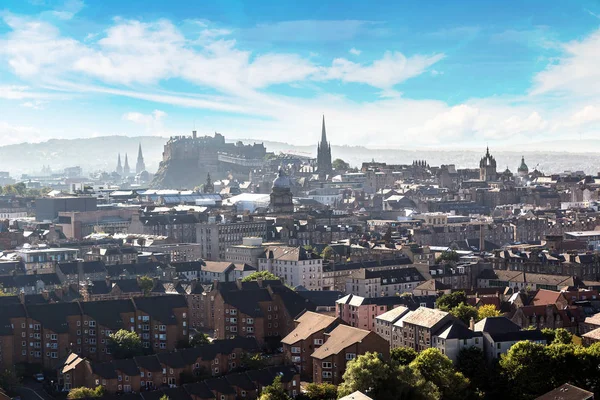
<point>188,159</point>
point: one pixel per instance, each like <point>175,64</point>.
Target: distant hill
<point>100,153</point>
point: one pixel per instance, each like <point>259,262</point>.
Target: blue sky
<point>414,74</point>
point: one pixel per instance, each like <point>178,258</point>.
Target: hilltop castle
<point>188,159</point>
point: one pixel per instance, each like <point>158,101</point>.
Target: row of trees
<point>456,304</point>
<point>20,189</point>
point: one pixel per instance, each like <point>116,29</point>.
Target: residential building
<point>500,333</point>
<point>262,309</point>
<point>388,282</point>
<point>417,328</point>
<point>384,323</point>
<point>248,252</point>
<point>43,259</point>
<point>454,337</point>
<point>567,392</point>
<point>307,336</point>
<point>295,265</point>
<point>78,224</point>
<point>214,238</point>
<point>344,343</point>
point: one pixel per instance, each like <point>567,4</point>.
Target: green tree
<point>199,339</point>
<point>403,355</point>
<point>464,312</point>
<point>86,393</point>
<point>327,253</point>
<point>125,344</point>
<point>146,284</point>
<point>264,275</point>
<point>549,335</point>
<point>340,165</point>
<point>164,397</point>
<point>472,364</point>
<point>526,367</point>
<point>448,301</point>
<point>321,391</point>
<point>382,381</point>
<point>562,336</point>
<point>436,368</point>
<point>450,255</point>
<point>274,391</point>
<point>253,361</point>
<point>9,379</point>
<point>487,311</point>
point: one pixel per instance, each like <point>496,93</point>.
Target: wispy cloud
<point>354,51</point>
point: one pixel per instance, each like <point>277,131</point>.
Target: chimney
<point>472,324</point>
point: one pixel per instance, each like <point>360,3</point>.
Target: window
<point>498,346</point>
<point>327,374</point>
<point>350,356</point>
<point>318,342</point>
<point>326,365</point>
<point>296,350</point>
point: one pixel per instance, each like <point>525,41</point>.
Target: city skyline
<point>449,75</point>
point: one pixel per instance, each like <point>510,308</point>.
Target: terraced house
<point>47,332</point>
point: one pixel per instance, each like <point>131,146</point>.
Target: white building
<point>214,238</point>
<point>295,265</point>
<point>248,252</point>
<point>380,283</point>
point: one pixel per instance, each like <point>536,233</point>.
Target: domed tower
<point>281,194</point>
<point>487,167</point>
<point>523,170</point>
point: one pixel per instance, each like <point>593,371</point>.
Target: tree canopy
<point>274,391</point>
<point>199,339</point>
<point>264,275</point>
<point>146,284</point>
<point>340,165</point>
<point>436,368</point>
<point>321,391</point>
<point>487,310</point>
<point>382,380</point>
<point>86,393</point>
<point>125,344</point>
<point>448,301</point>
<point>327,253</point>
<point>403,355</point>
<point>465,312</point>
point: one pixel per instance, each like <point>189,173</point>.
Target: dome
<point>523,166</point>
<point>282,180</point>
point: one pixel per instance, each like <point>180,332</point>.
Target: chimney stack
<point>472,324</point>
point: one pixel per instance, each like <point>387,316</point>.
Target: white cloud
<point>354,51</point>
<point>152,122</point>
<point>588,114</point>
<point>576,72</point>
<point>34,104</point>
<point>384,73</point>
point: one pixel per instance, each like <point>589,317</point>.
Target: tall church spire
<point>126,170</point>
<point>323,134</point>
<point>140,166</point>
<point>323,154</point>
<point>119,169</point>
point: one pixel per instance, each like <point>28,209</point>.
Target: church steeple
<point>209,187</point>
<point>126,170</point>
<point>140,166</point>
<point>119,169</point>
<point>323,154</point>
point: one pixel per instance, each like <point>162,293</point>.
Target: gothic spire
<point>140,166</point>
<point>323,134</point>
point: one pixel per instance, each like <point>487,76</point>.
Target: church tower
<point>487,167</point>
<point>126,169</point>
<point>209,187</point>
<point>119,169</point>
<point>323,154</point>
<point>140,166</point>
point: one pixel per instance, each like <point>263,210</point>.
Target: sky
<point>409,74</point>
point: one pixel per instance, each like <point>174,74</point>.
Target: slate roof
<point>53,316</point>
<point>517,336</point>
<point>567,392</point>
<point>127,367</point>
<point>457,330</point>
<point>149,363</point>
<point>172,359</point>
<point>220,385</point>
<point>199,389</point>
<point>107,313</point>
<point>161,307</point>
<point>338,339</point>
<point>241,381</point>
<point>10,307</point>
<point>496,325</point>
<point>321,298</point>
<point>308,324</point>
